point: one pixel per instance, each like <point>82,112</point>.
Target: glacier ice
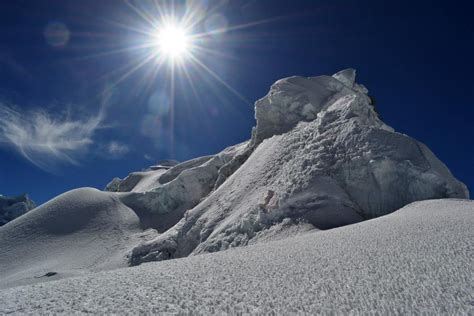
<point>319,156</point>
<point>113,185</point>
<point>12,207</point>
<point>161,197</point>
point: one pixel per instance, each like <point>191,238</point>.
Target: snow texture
<point>12,207</point>
<point>416,261</point>
<point>319,155</point>
<point>161,197</point>
<point>77,232</point>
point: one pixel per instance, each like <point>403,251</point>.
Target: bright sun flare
<point>173,41</point>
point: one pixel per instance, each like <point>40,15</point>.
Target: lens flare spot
<point>57,34</point>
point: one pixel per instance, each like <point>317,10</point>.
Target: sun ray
<point>143,15</point>
<point>135,68</point>
<point>163,15</point>
<point>191,83</point>
<point>220,80</point>
<point>116,51</point>
<point>172,35</point>
<point>138,30</point>
<point>172,105</point>
<point>236,27</point>
<point>195,21</point>
<point>215,53</point>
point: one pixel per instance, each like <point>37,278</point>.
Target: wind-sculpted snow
<point>12,207</point>
<point>79,231</point>
<point>416,261</point>
<point>318,155</point>
<point>178,169</point>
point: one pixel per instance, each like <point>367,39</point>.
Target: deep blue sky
<point>416,58</point>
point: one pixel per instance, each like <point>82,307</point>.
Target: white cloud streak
<point>46,139</point>
<point>117,150</point>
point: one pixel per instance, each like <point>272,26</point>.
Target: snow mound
<point>79,231</point>
<point>319,155</point>
<point>12,207</point>
<point>417,260</point>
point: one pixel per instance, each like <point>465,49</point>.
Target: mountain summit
<point>319,157</point>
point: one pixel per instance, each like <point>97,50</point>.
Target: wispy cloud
<point>148,157</point>
<point>117,150</point>
<point>45,138</point>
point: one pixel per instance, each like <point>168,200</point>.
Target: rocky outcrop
<point>13,207</point>
<point>319,156</point>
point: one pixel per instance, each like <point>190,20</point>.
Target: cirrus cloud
<point>45,138</point>
<point>117,150</point>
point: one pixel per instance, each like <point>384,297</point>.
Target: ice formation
<point>12,207</point>
<point>319,157</point>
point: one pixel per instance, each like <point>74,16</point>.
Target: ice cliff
<point>319,157</point>
<point>13,207</point>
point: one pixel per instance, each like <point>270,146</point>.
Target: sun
<point>172,41</point>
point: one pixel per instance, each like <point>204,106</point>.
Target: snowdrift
<point>77,232</point>
<point>417,260</point>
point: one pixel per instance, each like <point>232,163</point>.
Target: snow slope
<point>416,260</point>
<point>77,232</point>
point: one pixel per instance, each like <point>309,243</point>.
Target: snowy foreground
<point>417,259</point>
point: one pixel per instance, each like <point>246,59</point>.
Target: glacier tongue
<point>319,156</point>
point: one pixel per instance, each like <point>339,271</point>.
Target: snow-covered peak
<point>319,157</point>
